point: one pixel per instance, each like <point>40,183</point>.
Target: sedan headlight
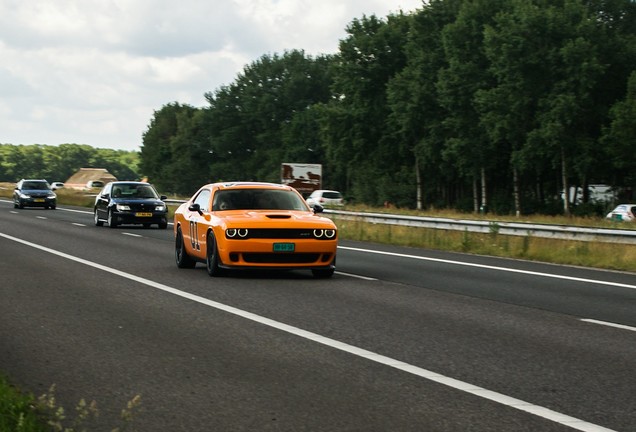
<point>160,208</point>
<point>25,196</point>
<point>51,196</point>
<point>123,207</point>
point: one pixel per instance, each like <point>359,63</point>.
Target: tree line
<point>495,105</point>
<point>58,163</point>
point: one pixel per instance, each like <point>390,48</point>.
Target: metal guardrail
<point>494,227</point>
<point>561,232</point>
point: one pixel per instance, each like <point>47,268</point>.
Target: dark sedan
<point>34,193</point>
<point>126,202</point>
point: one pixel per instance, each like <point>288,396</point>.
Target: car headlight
<point>160,208</point>
<point>24,196</point>
<point>123,207</point>
<point>236,233</point>
<point>51,196</point>
<point>324,233</point>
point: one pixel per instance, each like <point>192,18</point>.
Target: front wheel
<point>325,273</point>
<point>181,256</point>
<point>112,219</point>
<point>212,256</point>
<point>96,217</point>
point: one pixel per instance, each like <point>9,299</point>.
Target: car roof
<point>250,185</point>
<point>129,182</point>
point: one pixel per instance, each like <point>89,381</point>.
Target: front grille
<point>139,207</point>
<point>281,258</point>
<point>281,233</point>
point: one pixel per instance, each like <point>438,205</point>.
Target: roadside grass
<point>21,412</point>
<point>611,256</point>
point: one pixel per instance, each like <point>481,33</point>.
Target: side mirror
<point>318,208</point>
<point>195,208</point>
<point>163,197</point>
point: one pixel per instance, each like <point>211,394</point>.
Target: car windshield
<point>332,195</point>
<point>35,185</point>
<point>131,190</point>
<point>258,199</point>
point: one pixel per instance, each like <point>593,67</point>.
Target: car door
<point>194,232</point>
<point>102,200</point>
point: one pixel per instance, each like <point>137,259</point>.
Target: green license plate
<point>284,247</point>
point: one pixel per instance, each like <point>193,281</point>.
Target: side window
<point>203,199</point>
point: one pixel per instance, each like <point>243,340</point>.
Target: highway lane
<point>541,355</point>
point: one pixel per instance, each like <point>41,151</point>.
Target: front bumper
<point>260,253</point>
<point>134,218</point>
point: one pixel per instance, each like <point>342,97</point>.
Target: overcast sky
<point>94,71</point>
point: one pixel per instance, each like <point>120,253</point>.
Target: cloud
<point>94,71</point>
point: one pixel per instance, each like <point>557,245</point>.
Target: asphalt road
<point>399,339</point>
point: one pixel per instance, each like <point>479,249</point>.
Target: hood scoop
<point>279,216</point>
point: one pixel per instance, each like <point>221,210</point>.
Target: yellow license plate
<point>143,214</point>
<point>38,200</point>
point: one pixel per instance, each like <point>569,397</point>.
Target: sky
<point>95,71</point>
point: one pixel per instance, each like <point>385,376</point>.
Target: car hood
<point>40,192</point>
<point>148,201</point>
<point>283,218</point>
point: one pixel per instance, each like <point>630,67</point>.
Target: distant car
<point>623,212</point>
<point>253,226</point>
<point>325,198</point>
<point>34,193</point>
<point>57,185</point>
<point>123,202</point>
<point>93,185</point>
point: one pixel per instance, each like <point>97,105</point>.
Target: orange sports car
<point>253,226</point>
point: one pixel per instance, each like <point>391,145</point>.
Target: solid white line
<point>78,224</point>
<point>131,234</point>
<point>41,217</point>
<point>609,324</point>
<point>499,398</point>
<point>356,276</point>
<point>504,269</point>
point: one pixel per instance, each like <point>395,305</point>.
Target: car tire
<point>181,256</point>
<point>96,217</point>
<point>212,256</point>
<point>112,219</point>
<point>163,225</point>
<point>325,273</point>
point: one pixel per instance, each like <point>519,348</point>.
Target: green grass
<point>20,412</point>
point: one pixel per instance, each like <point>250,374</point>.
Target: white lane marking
<point>504,269</point>
<point>502,399</point>
<point>609,324</point>
<point>356,276</point>
<point>131,234</point>
<point>78,224</point>
<point>41,217</point>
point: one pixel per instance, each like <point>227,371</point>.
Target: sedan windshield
<point>126,190</point>
<point>258,199</point>
<point>35,186</point>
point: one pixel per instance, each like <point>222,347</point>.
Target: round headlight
<point>230,232</point>
<point>318,233</point>
<point>242,232</point>
<point>330,233</point>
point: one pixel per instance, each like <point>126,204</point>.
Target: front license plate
<point>284,247</point>
<point>143,214</point>
<point>38,200</point>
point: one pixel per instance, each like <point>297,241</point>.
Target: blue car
<point>127,202</point>
<point>34,193</point>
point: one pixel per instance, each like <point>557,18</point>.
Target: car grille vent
<point>280,258</point>
<point>282,233</point>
